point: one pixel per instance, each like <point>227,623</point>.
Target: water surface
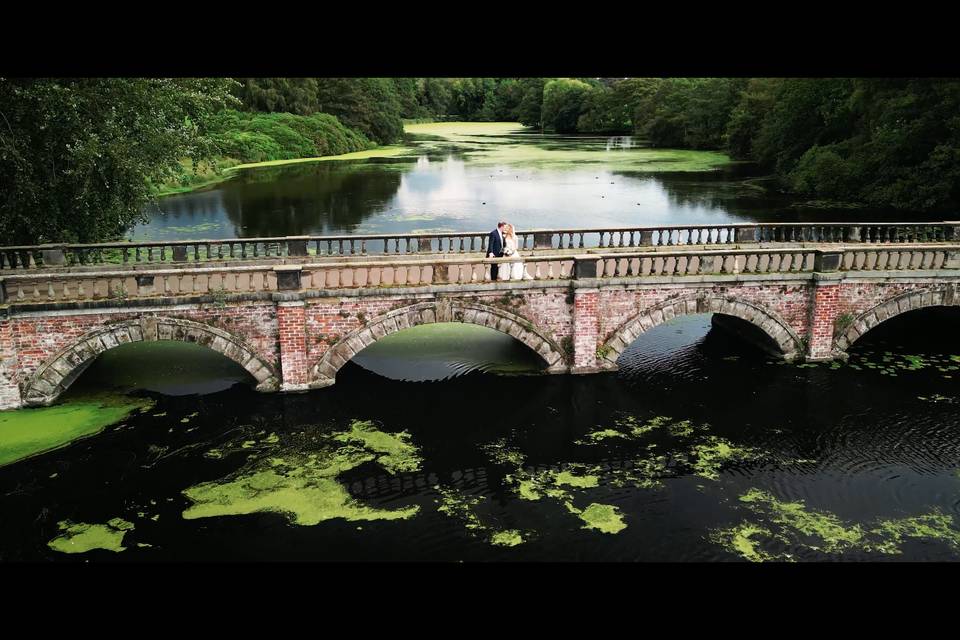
<point>699,448</point>
<point>468,176</point>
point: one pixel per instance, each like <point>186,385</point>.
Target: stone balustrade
<point>220,281</point>
<point>360,246</point>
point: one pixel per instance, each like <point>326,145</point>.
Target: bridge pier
<point>824,309</point>
<point>291,326</point>
<point>9,389</point>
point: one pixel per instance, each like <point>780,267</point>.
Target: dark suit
<point>495,246</point>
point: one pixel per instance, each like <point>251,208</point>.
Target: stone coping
<point>820,279</point>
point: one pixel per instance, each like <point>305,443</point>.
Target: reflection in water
<point>471,182</point>
<point>445,350</point>
<point>619,142</point>
<point>168,367</point>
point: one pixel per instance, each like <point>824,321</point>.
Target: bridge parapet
<point>221,281</point>
<point>467,242</point>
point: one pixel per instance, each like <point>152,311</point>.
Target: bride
<point>516,270</point>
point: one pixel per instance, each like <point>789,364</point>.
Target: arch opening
<point>850,329</point>
<point>445,350</point>
<point>61,370</point>
<point>928,329</point>
<point>758,326</point>
<point>550,354</point>
<point>167,367</point>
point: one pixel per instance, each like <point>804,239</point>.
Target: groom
<point>495,248</point>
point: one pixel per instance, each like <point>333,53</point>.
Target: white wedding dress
<point>516,270</point>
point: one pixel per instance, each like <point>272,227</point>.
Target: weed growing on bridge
<point>842,323</point>
<point>219,297</point>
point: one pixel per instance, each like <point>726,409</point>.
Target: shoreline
<point>230,172</point>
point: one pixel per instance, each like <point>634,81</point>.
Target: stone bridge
<point>293,318</point>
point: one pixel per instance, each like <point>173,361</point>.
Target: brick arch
<point>324,373</point>
<point>887,309</point>
<point>769,321</point>
<point>57,373</point>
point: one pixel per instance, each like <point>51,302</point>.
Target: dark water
<point>470,183</point>
<point>857,446</point>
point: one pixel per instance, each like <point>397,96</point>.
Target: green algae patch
<point>931,526</point>
<point>460,506</point>
<point>801,527</point>
<point>716,452</point>
<point>305,496</point>
<point>80,537</point>
<point>742,540</point>
<point>302,484</point>
<point>605,518</point>
<point>629,428</point>
<point>497,143</point>
<point>604,434</point>
<point>29,432</point>
<point>796,516</point>
<point>501,453</point>
<point>507,538</point>
<point>567,478</point>
<point>455,504</point>
<point>396,452</point>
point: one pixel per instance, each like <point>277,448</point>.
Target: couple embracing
<point>503,243</point>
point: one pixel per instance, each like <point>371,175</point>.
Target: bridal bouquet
<point>508,251</point>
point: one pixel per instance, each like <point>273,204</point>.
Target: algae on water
<point>301,483</point>
<point>795,524</point>
<point>458,505</point>
<point>80,537</point>
<point>29,432</point>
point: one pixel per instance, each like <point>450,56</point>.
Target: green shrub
<point>260,137</point>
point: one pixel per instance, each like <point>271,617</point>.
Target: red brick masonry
<point>573,329</point>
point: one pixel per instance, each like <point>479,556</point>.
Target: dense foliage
<point>371,105</point>
<point>77,155</point>
<point>874,141</point>
<point>256,137</point>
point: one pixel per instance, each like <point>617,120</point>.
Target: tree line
<point>879,142</point>
<point>78,156</point>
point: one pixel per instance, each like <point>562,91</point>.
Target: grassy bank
<point>230,167</point>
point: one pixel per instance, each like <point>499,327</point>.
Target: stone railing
<point>180,251</point>
<point>222,281</point>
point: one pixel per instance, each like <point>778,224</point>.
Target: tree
<point>746,118</point>
<point>77,156</point>
<point>435,96</point>
<point>562,102</point>
<point>605,110</point>
<point>368,104</point>
<point>531,105</point>
<point>501,105</point>
<point>406,90</point>
<point>284,95</point>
